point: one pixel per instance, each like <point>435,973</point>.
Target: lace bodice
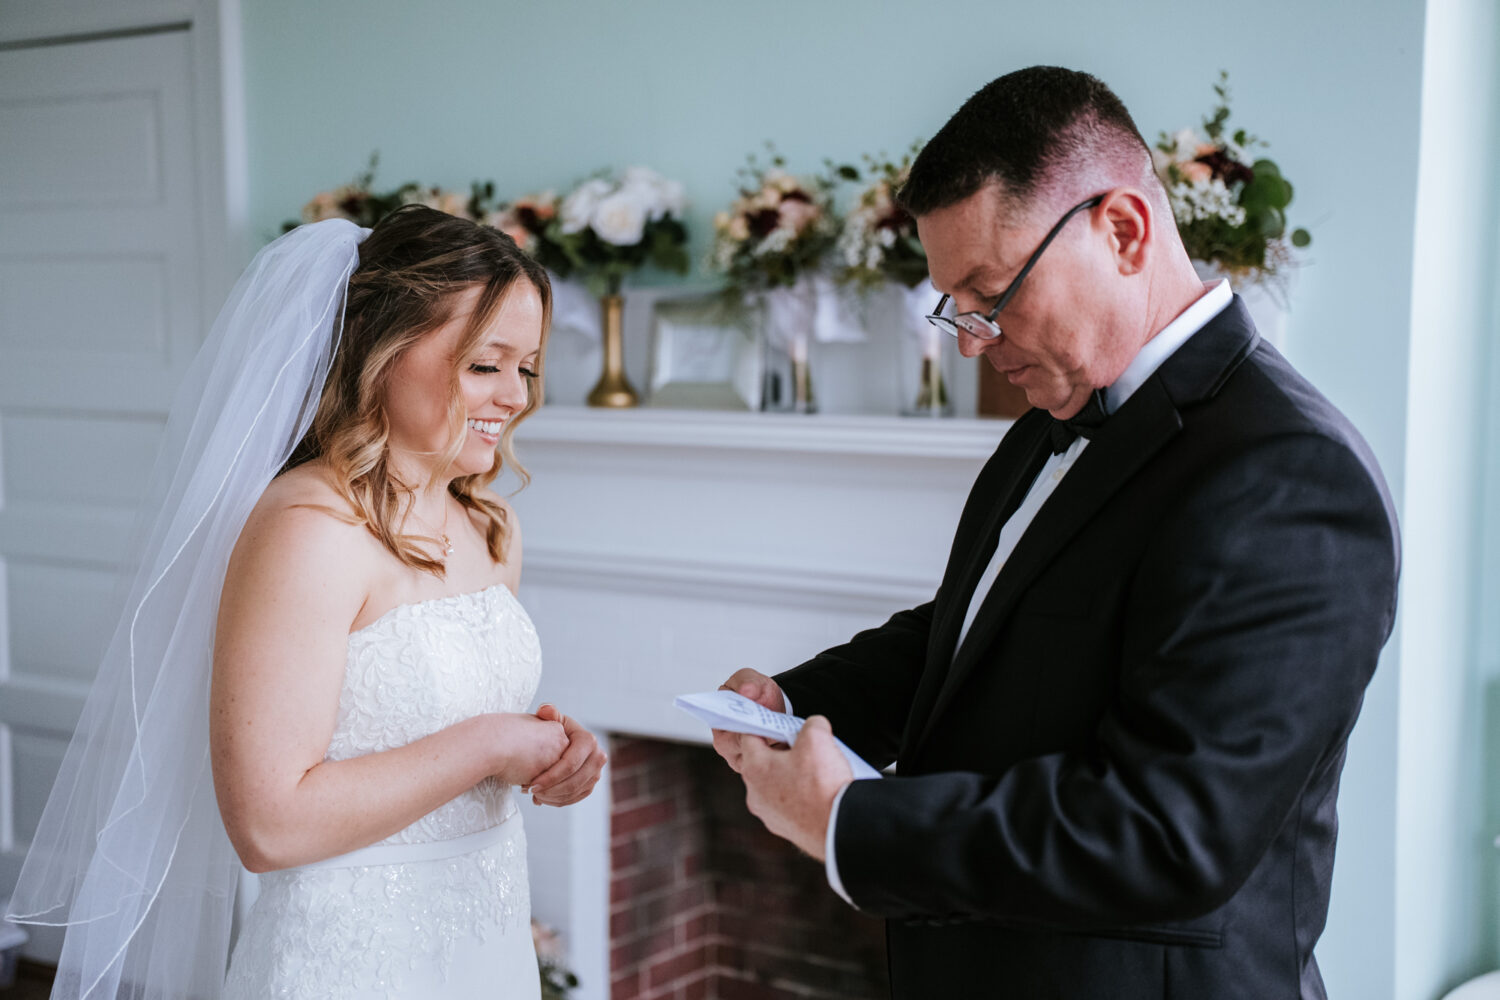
<point>422,667</point>
<point>456,927</point>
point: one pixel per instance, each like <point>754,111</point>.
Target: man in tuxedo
<point>1119,725</point>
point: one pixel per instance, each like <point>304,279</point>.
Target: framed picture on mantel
<point>702,359</point>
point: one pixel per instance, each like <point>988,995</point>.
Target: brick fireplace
<point>705,904</point>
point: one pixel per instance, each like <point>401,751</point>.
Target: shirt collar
<point>1172,336</point>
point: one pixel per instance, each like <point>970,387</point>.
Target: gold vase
<point>613,388</point>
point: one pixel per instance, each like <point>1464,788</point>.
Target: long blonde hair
<point>412,267</point>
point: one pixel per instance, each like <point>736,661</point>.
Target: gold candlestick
<point>613,389</point>
<point>932,394</point>
<point>802,389</point>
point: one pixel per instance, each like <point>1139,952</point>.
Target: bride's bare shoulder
<point>305,496</point>
<point>301,521</point>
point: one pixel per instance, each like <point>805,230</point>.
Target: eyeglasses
<point>978,324</point>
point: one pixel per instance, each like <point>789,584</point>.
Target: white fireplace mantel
<point>914,437</point>
<point>665,549</point>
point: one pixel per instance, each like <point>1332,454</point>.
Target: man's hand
<point>576,772</point>
<point>758,688</point>
<point>792,791</point>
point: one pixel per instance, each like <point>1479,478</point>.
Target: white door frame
<point>219,166</point>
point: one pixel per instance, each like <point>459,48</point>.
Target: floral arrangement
<point>604,229</point>
<point>608,227</point>
<point>360,203</point>
<point>1230,207</point>
<point>878,242</point>
<point>524,220</point>
<point>557,980</point>
<point>777,230</point>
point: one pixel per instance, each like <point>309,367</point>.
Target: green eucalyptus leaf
<point>1271,223</point>
<point>1301,237</point>
<point>1264,166</point>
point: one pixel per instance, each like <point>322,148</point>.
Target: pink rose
<point>1195,172</point>
<point>797,214</point>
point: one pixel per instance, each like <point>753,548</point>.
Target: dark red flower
<point>529,220</point>
<point>764,221</point>
<point>1226,169</point>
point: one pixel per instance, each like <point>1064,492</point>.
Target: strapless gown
<point>441,909</point>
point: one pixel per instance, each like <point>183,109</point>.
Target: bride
<point>323,670</point>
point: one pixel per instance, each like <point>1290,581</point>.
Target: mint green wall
<point>538,94</point>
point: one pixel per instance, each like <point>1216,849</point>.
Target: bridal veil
<point>130,854</point>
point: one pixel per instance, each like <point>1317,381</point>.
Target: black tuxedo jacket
<point>1123,784</point>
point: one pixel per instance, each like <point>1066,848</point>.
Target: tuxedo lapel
<point>972,552</point>
<point>1126,442</point>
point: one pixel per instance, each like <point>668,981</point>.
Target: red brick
<point>729,956</point>
<point>622,923</point>
<point>694,928</point>
<point>623,855</point>
<point>726,988</point>
<point>643,884</point>
<point>689,897</point>
<point>627,752</point>
<point>627,987</point>
<point>641,817</point>
<point>665,844</point>
<point>679,966</point>
<point>738,926</point>
<point>624,788</point>
<point>666,778</point>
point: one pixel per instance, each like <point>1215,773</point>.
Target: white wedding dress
<point>442,909</point>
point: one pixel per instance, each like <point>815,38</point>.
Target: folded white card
<point>734,712</point>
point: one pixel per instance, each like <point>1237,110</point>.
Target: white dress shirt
<point>1143,366</point>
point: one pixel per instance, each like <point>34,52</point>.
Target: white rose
<point>620,219</point>
<point>666,195</point>
<point>670,199</point>
<point>645,186</point>
<point>453,203</point>
<point>657,195</point>
<point>1161,160</point>
<point>579,207</point>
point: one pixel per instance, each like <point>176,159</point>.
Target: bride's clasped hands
<point>572,776</point>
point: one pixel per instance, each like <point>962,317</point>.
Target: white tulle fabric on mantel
<point>814,309</point>
<point>456,926</point>
<point>1267,303</point>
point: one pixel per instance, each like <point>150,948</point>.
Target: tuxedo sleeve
<point>1251,626</point>
<point>865,687</point>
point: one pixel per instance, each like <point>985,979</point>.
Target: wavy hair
<point>412,267</point>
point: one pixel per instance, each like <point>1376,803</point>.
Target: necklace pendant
<point>447,546</point>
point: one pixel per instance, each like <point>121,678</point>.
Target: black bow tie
<point>1082,424</point>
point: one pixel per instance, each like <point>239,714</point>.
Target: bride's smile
<point>496,378</point>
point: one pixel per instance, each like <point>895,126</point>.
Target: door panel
<point>100,282</point>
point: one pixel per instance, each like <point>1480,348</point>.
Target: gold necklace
<point>447,544</point>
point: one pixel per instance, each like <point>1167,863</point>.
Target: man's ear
<point>1131,226</point>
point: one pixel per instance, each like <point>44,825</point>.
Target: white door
<point>101,270</point>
